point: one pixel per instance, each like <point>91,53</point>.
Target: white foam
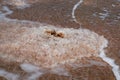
<point>113,5</point>
<point>60,71</point>
<point>74,8</point>
<point>29,67</point>
<point>7,12</point>
<point>8,75</point>
<point>111,62</point>
<point>34,71</point>
<point>34,76</point>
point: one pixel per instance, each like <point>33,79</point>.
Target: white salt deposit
<point>113,5</point>
<point>60,71</point>
<point>104,14</point>
<point>34,76</point>
<point>74,8</point>
<point>8,11</point>
<point>29,67</point>
<point>111,62</point>
<point>74,43</point>
<point>34,71</point>
<point>20,4</point>
<point>8,75</point>
<point>48,46</point>
<point>5,11</point>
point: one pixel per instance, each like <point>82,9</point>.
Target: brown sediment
<point>89,73</point>
<point>2,78</point>
<point>48,12</point>
<point>59,13</point>
<point>108,27</point>
<point>50,76</point>
<point>31,44</point>
<point>16,55</point>
<point>13,67</point>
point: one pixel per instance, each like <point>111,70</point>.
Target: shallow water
<point>7,11</point>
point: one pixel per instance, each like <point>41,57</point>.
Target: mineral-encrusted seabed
<point>46,48</point>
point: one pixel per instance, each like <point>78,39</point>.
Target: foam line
<point>8,12</point>
<point>74,8</point>
<point>8,75</point>
<point>31,69</point>
<point>111,62</point>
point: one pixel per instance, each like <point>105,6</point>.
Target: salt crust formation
<point>48,46</point>
<point>18,3</point>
